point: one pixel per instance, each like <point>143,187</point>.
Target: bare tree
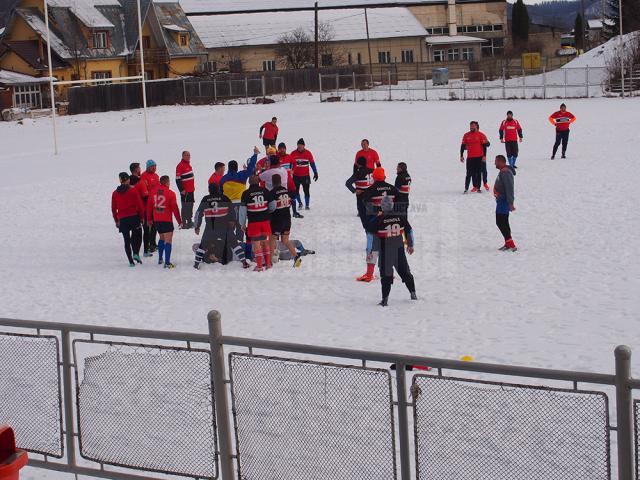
<point>330,52</point>
<point>295,49</point>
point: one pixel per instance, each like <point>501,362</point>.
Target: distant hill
<point>560,13</point>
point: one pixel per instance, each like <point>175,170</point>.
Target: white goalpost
<point>53,83</point>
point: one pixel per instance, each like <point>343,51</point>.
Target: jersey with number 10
<point>391,228</point>
<point>257,199</point>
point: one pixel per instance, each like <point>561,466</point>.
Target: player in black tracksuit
<point>218,243</point>
<point>391,229</point>
<point>403,184</point>
<point>358,183</point>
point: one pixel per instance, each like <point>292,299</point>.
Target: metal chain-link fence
<point>636,434</point>
<point>146,407</point>
<point>30,399</point>
<point>472,430</point>
<point>305,420</point>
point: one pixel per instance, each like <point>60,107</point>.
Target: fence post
<point>215,91</point>
<point>504,86</point>
<point>544,83</point>
<point>230,89</point>
<point>246,90</point>
<point>586,79</point>
<point>389,78</point>
<point>524,84</point>
<point>426,88</point>
<point>220,395</point>
<point>199,89</point>
<point>320,85</point>
<point>69,402</point>
<point>464,86</point>
<point>337,84</point>
<point>624,413</point>
<point>403,422</point>
<point>355,98</point>
<point>565,82</point>
<point>484,87</point>
<point>264,88</point>
<point>184,91</point>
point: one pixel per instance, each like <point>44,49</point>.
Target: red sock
<point>371,267</point>
<point>510,243</point>
<point>259,259</point>
<point>267,257</point>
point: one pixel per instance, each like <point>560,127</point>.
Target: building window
<point>359,59</point>
<point>146,42</point>
<point>101,76</point>
<point>326,59</point>
<point>467,54</point>
<point>453,54</point>
<point>148,75</point>
<point>268,65</point>
<point>472,29</point>
<point>438,55</point>
<point>497,28</point>
<point>438,31</point>
<point>183,39</point>
<point>210,66</point>
<point>384,57</point>
<point>349,59</point>
<point>495,46</point>
<point>407,56</point>
<point>27,96</point>
<point>101,39</point>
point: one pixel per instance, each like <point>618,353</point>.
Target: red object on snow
<point>11,458</point>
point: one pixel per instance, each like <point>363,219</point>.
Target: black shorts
<point>268,142</point>
<point>281,225</point>
<point>511,148</point>
<point>164,227</point>
<point>129,223</point>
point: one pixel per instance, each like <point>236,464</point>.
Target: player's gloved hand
<point>410,250</point>
<point>315,177</point>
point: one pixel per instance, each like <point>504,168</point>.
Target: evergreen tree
<point>630,17</point>
<point>578,32</point>
<point>520,24</point>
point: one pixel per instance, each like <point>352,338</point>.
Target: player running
<point>281,220</point>
<point>162,205</point>
<point>510,133</point>
<point>358,183</point>
<point>128,213</point>
<point>391,229</point>
<point>185,181</point>
<point>372,157</point>
<point>403,184</point>
<point>218,173</point>
<point>257,201</point>
<point>372,198</point>
<point>503,190</point>
<point>302,159</point>
<point>270,134</point>
<point>562,119</point>
<point>218,239</point>
<point>150,181</point>
<point>475,143</point>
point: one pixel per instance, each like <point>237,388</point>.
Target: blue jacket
<point>233,184</point>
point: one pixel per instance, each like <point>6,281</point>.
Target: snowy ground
<point>565,300</point>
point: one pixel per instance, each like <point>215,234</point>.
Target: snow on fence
<point>109,408</point>
<point>565,82</point>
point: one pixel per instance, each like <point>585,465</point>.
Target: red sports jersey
<point>141,188</point>
<point>162,205</point>
<point>126,202</point>
<point>373,160</point>
<point>151,181</point>
<point>510,129</point>
<point>270,131</point>
<point>474,141</point>
<point>562,120</point>
<point>215,179</point>
<point>301,162</point>
<point>184,177</point>
<point>285,161</point>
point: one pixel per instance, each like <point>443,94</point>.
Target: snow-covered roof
<point>252,29</point>
<point>14,78</point>
<point>236,6</point>
<point>86,11</point>
<point>597,23</point>
<point>35,21</point>
<point>174,28</point>
<point>444,39</point>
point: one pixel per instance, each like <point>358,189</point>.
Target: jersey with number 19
<point>257,199</point>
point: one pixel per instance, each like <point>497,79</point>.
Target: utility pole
<point>366,22</point>
<point>621,48</point>
<point>316,35</point>
<point>584,25</point>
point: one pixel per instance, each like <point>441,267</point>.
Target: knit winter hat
<point>282,145</point>
<point>301,142</point>
<point>379,175</point>
<point>271,150</point>
<point>151,163</point>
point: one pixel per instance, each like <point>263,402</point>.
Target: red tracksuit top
<point>474,141</point>
<point>562,120</point>
<point>373,160</point>
<point>270,131</point>
<point>151,182</point>
<point>162,205</point>
<point>126,203</point>
<point>510,129</point>
<point>301,162</point>
<point>215,179</point>
<point>184,177</point>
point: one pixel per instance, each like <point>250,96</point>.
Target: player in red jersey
<point>218,173</point>
<point>510,132</point>
<point>185,181</point>
<point>372,157</point>
<point>287,164</point>
<point>149,181</point>
<point>256,203</point>
<point>128,213</point>
<point>475,143</point>
<point>269,132</point>
<point>562,120</point>
<point>302,160</point>
<point>162,206</point>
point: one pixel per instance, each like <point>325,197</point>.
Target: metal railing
<point>212,90</point>
<point>109,401</point>
<point>471,85</point>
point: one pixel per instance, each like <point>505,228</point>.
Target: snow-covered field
<point>564,300</point>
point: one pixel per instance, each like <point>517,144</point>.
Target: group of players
<point>144,205</point>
